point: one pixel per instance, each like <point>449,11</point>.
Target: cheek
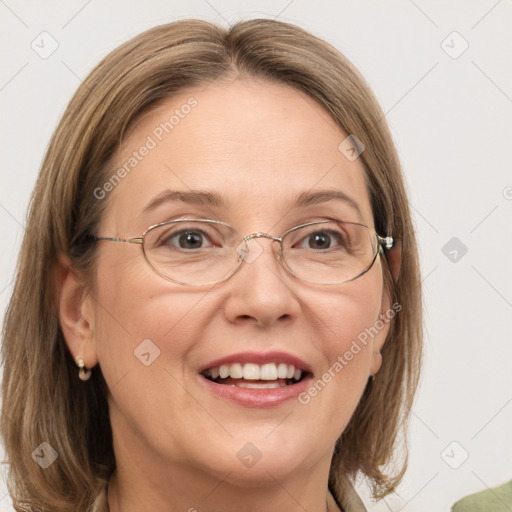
<point>347,314</point>
<point>135,312</point>
<point>346,320</point>
<point>145,333</point>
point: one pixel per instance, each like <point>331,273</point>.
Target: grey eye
<point>185,239</point>
<point>322,240</point>
<point>189,239</point>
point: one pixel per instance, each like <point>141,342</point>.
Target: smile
<point>256,379</point>
<point>254,376</point>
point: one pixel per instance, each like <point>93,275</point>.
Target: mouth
<point>256,379</point>
<point>255,376</point>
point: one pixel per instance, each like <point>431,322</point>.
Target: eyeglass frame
<point>386,241</point>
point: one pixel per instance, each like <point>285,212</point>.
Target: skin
<point>260,145</point>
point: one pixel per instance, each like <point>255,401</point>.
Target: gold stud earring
<point>83,373</point>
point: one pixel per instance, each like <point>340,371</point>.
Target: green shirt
<point>498,499</point>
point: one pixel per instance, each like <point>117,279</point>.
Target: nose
<point>261,291</point>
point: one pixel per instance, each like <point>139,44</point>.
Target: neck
<point>270,500</point>
<point>193,491</point>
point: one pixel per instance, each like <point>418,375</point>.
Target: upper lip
<point>259,358</point>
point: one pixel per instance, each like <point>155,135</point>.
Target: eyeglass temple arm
<point>128,240</point>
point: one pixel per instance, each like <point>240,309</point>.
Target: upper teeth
<point>252,371</point>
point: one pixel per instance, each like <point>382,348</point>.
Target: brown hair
<point>43,400</point>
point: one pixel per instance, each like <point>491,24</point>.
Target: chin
<point>265,471</point>
<point>258,460</point>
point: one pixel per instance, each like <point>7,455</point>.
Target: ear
<point>387,311</point>
<point>75,312</point>
<point>394,259</point>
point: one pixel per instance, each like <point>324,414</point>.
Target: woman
<point>218,297</point>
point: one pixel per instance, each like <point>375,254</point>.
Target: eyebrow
<point>201,198</point>
<point>216,200</point>
<point>323,196</point>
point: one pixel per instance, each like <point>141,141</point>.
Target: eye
<point>188,239</point>
<point>322,239</point>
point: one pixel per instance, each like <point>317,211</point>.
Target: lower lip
<point>259,398</point>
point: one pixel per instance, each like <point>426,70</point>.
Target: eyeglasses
<point>199,252</point>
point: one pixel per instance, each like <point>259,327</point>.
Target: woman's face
<point>259,146</point>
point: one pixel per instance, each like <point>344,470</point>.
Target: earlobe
<point>383,325</point>
<point>75,316</point>
<point>376,363</point>
<point>378,343</point>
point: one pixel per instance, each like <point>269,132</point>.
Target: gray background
<point>449,113</point>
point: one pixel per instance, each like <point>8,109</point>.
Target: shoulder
<point>498,499</point>
<point>346,496</point>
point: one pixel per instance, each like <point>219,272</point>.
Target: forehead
<point>256,145</point>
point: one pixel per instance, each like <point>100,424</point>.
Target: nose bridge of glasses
<point>262,235</point>
<point>250,251</point>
